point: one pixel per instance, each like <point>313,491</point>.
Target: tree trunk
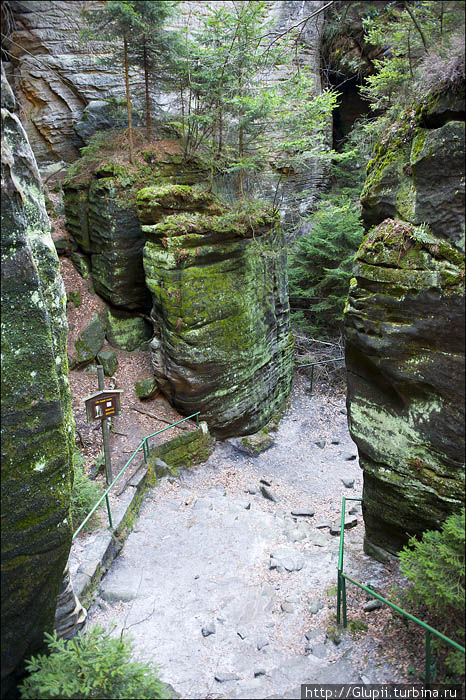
<point>416,24</point>
<point>128,103</point>
<point>240,142</point>
<point>146,81</point>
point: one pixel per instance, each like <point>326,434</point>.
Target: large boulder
<point>222,342</point>
<point>104,115</point>
<point>404,326</point>
<point>37,421</point>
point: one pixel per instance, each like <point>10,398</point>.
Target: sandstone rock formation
<point>404,326</point>
<point>37,421</point>
<point>101,217</point>
<point>222,342</point>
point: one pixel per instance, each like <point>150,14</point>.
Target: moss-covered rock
<point>257,443</point>
<point>417,174</point>
<point>109,362</point>
<point>124,330</point>
<point>154,203</point>
<point>90,340</point>
<point>80,263</point>
<point>37,423</point>
<point>100,198</point>
<point>222,342</point>
<point>146,388</point>
<point>404,326</point>
<point>183,451</point>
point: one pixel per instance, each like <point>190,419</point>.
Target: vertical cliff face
<point>222,342</point>
<point>37,423</point>
<point>404,326</point>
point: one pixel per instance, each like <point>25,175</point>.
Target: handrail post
<point>345,620</point>
<point>427,676</point>
<point>341,588</point>
<point>108,511</point>
<point>338,597</point>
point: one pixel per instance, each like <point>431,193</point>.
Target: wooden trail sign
<point>103,404</point>
<point>100,406</point>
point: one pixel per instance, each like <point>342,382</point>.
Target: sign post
<point>101,406</point>
<point>105,431</point>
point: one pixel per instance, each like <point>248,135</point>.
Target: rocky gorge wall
<point>37,424</point>
<point>404,327</point>
<point>222,343</point>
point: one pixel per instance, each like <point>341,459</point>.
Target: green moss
<point>355,626</point>
<point>75,298</point>
<point>124,330</point>
<point>146,388</point>
<point>417,145</point>
<point>183,451</point>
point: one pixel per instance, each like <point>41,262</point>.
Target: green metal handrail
<point>146,452</point>
<point>313,364</point>
<point>341,601</point>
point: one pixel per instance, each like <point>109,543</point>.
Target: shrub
<point>435,568</point>
<point>94,665</point>
<point>84,495</point>
<point>443,70</point>
<point>320,266</point>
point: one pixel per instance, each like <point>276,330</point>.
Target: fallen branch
<point>162,420</point>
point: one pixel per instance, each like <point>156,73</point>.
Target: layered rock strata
<point>102,219</point>
<point>404,325</point>
<point>110,233</point>
<point>222,342</point>
<point>37,422</point>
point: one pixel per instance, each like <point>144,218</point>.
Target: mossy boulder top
<point>404,328</point>
<point>222,341</point>
<point>154,203</point>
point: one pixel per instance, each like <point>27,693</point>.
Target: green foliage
<point>74,297</point>
<point>229,104</point>
<point>435,567</point>
<point>415,37</point>
<point>94,665</point>
<point>84,495</point>
<point>320,266</point>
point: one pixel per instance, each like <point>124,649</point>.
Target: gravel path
<point>231,594</point>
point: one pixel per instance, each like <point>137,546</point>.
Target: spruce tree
<point>320,266</point>
<point>118,19</point>
<point>152,48</point>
